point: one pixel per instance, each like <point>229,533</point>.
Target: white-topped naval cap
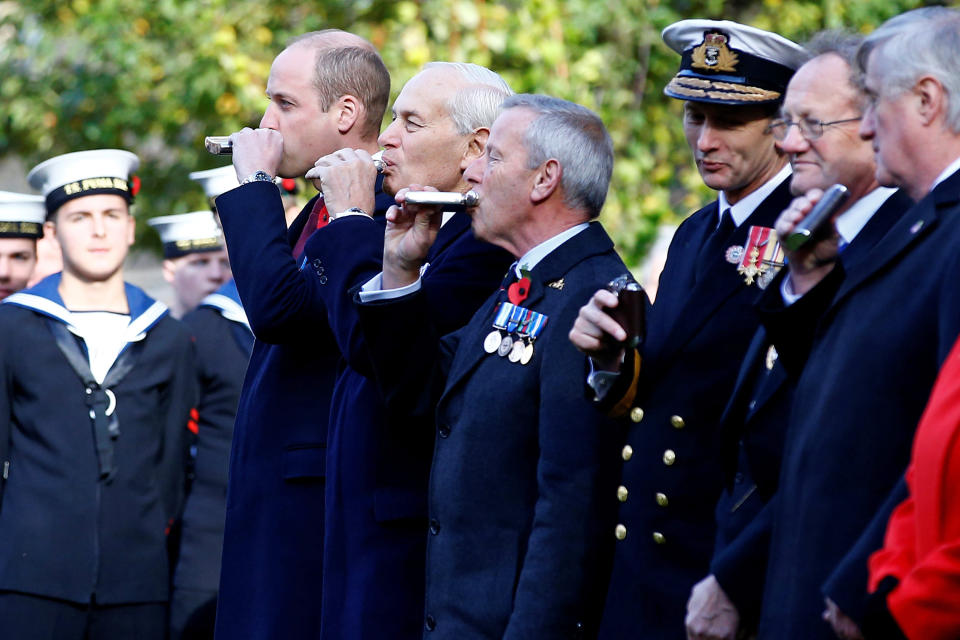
<point>216,181</point>
<point>687,34</point>
<point>188,233</point>
<point>730,63</point>
<point>21,215</point>
<point>82,173</point>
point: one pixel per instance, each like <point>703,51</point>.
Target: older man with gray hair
<point>870,337</point>
<point>518,543</point>
<point>378,462</point>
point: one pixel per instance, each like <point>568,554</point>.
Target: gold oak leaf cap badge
<point>725,62</point>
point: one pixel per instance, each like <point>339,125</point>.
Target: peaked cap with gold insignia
<point>725,62</point>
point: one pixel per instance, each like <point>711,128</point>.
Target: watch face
<point>262,176</point>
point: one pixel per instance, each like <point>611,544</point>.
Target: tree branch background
<point>156,77</point>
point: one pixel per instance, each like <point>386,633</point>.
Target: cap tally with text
<point>21,215</point>
<point>84,173</point>
<point>726,62</point>
<point>216,181</point>
<point>185,233</point>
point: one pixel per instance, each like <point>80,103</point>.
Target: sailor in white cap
<point>21,223</point>
<point>222,179</point>
<point>98,383</point>
<point>216,181</point>
<point>672,389</point>
<point>195,261</point>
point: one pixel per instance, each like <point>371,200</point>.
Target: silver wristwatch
<point>258,176</point>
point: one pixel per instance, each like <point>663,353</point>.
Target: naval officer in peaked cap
<point>97,389</point>
<point>21,223</point>
<point>670,391</point>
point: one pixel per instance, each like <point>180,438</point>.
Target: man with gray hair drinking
<point>518,543</point>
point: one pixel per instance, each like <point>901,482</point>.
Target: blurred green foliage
<point>156,77</point>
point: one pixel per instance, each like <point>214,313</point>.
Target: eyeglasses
<point>809,128</point>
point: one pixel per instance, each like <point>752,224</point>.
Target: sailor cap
<point>185,233</point>
<point>84,173</point>
<point>21,215</point>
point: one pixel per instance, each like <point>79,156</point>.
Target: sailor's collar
<point>226,300</point>
<point>44,298</point>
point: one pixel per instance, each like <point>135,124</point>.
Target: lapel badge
<point>713,54</point>
<point>760,259</point>
<point>771,357</point>
<point>916,226</point>
<point>556,284</point>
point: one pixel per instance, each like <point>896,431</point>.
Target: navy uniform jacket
<point>378,464</point>
<point>697,333</point>
<point>871,358</point>
<point>518,539</point>
<point>752,431</point>
<point>223,341</point>
<point>64,532</point>
<point>272,552</point>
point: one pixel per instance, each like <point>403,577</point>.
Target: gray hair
<point>575,137</point>
<point>346,64</point>
<point>844,45</point>
<point>914,44</point>
<point>476,104</point>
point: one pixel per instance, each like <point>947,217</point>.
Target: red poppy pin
<point>519,290</point>
<point>134,185</point>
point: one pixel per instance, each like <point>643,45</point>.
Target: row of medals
<point>519,348</point>
<point>516,350</point>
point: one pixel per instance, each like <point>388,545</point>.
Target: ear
<point>348,112</point>
<point>169,268</point>
<point>476,143</point>
<point>546,181</point>
<point>932,99</point>
<point>50,230</point>
<point>131,228</point>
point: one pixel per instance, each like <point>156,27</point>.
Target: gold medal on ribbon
<point>761,258</point>
<point>527,353</point>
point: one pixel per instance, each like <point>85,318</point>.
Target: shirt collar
<point>851,222</point>
<point>742,209</point>
<point>532,257</point>
<point>951,169</point>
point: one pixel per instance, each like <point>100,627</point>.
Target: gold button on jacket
<point>669,457</point>
<point>677,422</point>
<point>659,537</point>
<point>627,452</point>
<point>622,493</point>
<point>620,532</point>
<point>662,499</point>
<point>636,414</point>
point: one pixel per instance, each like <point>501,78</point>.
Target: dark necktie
<point>318,218</point>
<point>715,244</point>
